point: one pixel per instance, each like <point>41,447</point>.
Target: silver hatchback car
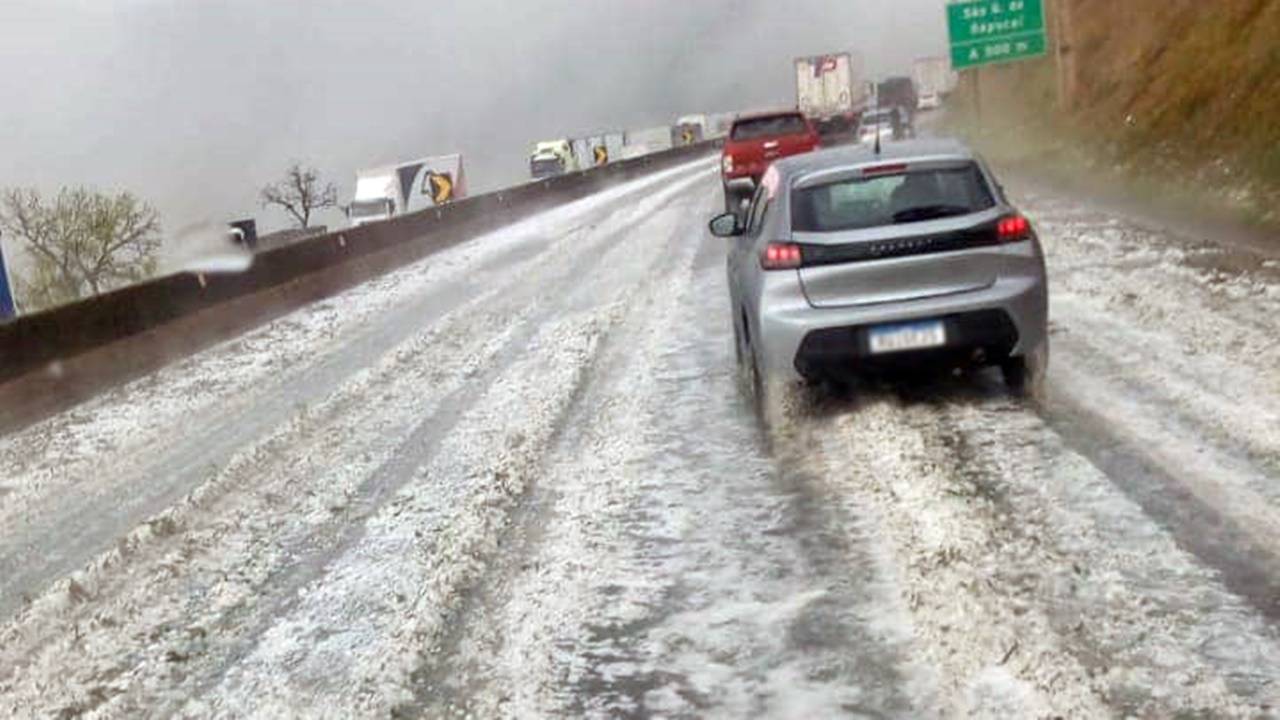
<point>849,260</point>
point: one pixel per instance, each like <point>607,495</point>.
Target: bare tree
<point>300,194</point>
<point>82,243</point>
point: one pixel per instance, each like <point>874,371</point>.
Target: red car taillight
<point>726,164</point>
<point>781,256</point>
<point>1013,228</point>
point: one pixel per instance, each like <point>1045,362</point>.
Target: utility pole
<point>977,96</point>
<point>1064,54</point>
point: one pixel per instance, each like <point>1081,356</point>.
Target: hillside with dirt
<point>1156,89</point>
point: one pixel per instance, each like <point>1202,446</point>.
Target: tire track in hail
<point>415,451</point>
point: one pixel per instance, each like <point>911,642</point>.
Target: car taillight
<point>727,163</point>
<point>1013,228</point>
<point>781,256</point>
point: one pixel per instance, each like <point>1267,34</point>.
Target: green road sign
<point>994,31</point>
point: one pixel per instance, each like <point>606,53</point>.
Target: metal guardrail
<point>45,349</point>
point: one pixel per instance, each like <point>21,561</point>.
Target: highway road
<point>520,478</point>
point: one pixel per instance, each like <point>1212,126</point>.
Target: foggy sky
<point>193,105</point>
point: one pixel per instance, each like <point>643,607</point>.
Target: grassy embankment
<point>1177,101</point>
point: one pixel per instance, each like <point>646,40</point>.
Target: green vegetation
<point>1179,99</point>
<point>80,243</point>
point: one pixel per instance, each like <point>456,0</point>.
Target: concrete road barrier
<point>54,359</point>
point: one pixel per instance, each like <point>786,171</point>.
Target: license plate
<point>912,336</point>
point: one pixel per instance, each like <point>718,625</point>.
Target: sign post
<point>985,32</point>
<point>7,307</point>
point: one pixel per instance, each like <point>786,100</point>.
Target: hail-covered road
<point>520,479</point>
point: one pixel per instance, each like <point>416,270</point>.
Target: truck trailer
<point>391,190</point>
<point>830,91</point>
<point>933,79</point>
<point>599,149</point>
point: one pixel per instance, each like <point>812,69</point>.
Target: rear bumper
<point>796,340</point>
<point>972,337</point>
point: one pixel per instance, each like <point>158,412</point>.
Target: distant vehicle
<point>889,123</point>
<point>552,157</point>
<point>647,140</point>
<point>375,196</point>
<point>932,77</point>
<point>898,92</point>
<point>382,193</point>
<point>690,129</point>
<point>599,150</point>
<point>244,233</point>
<point>830,90</point>
<point>850,262</point>
<point>719,125</point>
<point>631,151</point>
<point>756,141</point>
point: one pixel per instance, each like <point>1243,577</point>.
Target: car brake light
<point>781,256</point>
<point>1013,228</point>
<point>727,163</point>
<point>884,169</point>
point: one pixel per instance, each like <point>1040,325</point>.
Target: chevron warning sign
<point>441,185</point>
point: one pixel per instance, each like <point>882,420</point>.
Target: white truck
<point>644,141</point>
<point>934,78</point>
<point>690,129</point>
<point>552,157</point>
<point>391,190</point>
<point>720,124</point>
<point>599,149</point>
<point>830,90</point>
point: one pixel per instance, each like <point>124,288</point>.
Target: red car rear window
<point>771,126</point>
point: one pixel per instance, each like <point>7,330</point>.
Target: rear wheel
<point>778,404</point>
<point>1025,375</point>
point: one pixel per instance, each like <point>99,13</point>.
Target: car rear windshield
<point>865,202</point>
<point>769,127</point>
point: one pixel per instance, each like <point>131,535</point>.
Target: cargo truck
<point>899,92</point>
<point>689,129</point>
<point>385,192</point>
<point>552,157</point>
<point>599,149</point>
<point>933,78</point>
<point>830,91</point>
<point>647,140</point>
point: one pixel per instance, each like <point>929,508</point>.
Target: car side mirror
<point>726,225</point>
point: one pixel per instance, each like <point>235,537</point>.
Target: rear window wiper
<point>929,212</point>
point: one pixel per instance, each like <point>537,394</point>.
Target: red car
<point>754,142</point>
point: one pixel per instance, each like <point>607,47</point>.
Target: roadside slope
<point>1185,98</point>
